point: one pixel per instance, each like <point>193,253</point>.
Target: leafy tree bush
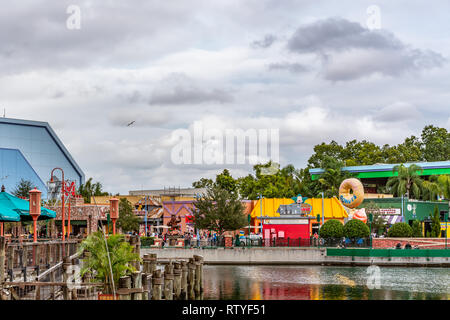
<point>98,263</point>
<point>436,223</point>
<point>356,229</point>
<point>417,231</point>
<point>147,241</point>
<point>400,230</point>
<point>219,210</point>
<point>127,221</point>
<point>332,229</point>
<point>23,188</point>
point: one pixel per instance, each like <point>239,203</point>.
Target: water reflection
<point>323,283</point>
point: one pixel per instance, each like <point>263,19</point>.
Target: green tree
<point>332,177</point>
<point>89,189</point>
<point>407,180</point>
<point>417,230</point>
<point>356,229</point>
<point>323,150</point>
<point>444,185</point>
<point>400,230</point>
<point>431,189</point>
<point>271,182</point>
<point>332,229</point>
<point>219,210</point>
<point>436,223</point>
<point>127,221</point>
<point>435,143</point>
<point>362,153</point>
<point>23,188</point>
<point>203,183</point>
<point>108,268</point>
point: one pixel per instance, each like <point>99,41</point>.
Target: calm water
<point>324,283</point>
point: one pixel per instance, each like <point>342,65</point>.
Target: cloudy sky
<point>315,70</point>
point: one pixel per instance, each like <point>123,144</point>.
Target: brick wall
<point>423,243</point>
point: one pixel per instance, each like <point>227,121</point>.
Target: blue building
<point>30,150</point>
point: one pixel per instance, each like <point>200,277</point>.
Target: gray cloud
<point>268,40</point>
<point>339,34</point>
<point>291,67</point>
<point>350,51</point>
<point>397,112</point>
<point>178,89</point>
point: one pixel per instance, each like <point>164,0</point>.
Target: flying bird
<point>130,123</point>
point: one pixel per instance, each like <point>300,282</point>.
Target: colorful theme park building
<point>30,150</point>
<point>375,176</point>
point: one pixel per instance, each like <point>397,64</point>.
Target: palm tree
<point>444,183</point>
<point>108,268</point>
<point>406,181</point>
<point>431,188</point>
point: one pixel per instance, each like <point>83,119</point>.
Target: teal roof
<point>10,205</point>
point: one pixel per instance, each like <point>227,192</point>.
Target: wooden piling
<point>168,281</point>
<point>177,280</point>
<point>198,274</point>
<point>66,264</point>
<point>2,259</point>
<point>146,285</point>
<point>125,283</point>
<point>184,280</point>
<point>157,282</point>
<point>191,279</point>
<point>136,278</point>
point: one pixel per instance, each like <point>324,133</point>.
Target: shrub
<point>147,241</point>
<point>332,229</point>
<point>356,229</point>
<point>400,230</point>
<point>417,229</point>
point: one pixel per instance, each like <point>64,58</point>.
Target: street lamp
<point>114,212</point>
<point>260,197</point>
<point>52,184</point>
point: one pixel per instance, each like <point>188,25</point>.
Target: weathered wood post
<point>66,264</point>
<point>136,284</point>
<point>24,262</point>
<point>184,280</point>
<point>153,260</point>
<point>74,290</point>
<point>177,280</point>
<point>168,281</point>
<point>124,283</point>
<point>146,282</point>
<point>2,259</point>
<point>134,242</point>
<point>48,253</point>
<point>198,274</point>
<point>11,259</point>
<point>157,282</point>
<point>145,263</point>
<point>191,279</point>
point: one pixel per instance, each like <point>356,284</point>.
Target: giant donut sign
<point>351,193</point>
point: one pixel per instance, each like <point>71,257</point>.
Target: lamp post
<point>35,209</point>
<point>260,197</point>
<point>323,214</point>
<point>114,212</point>
<point>63,222</point>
